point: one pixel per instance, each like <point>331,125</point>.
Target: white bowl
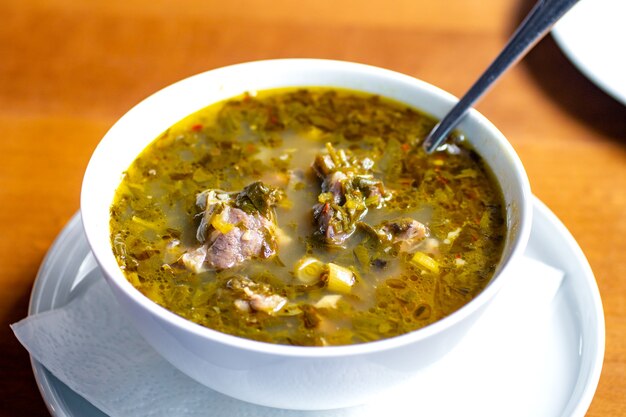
<point>278,375</point>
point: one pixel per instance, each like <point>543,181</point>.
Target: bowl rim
<point>116,278</point>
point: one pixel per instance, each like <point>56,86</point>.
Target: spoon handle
<point>534,27</point>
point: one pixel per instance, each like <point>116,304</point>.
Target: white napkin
<point>90,346</point>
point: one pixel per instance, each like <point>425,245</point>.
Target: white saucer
<point>592,35</point>
<point>571,357</point>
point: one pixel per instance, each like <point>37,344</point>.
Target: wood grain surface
<point>69,69</point>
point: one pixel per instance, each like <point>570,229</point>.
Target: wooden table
<point>69,69</point>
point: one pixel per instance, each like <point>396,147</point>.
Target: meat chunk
<point>252,236</point>
<point>349,189</point>
<point>255,296</point>
<point>404,233</point>
<point>235,227</point>
<point>194,259</point>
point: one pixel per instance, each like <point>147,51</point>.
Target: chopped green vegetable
<point>220,223</point>
<point>309,270</point>
<point>328,301</point>
<point>145,223</point>
<point>425,262</point>
<point>363,256</point>
<point>340,279</point>
<point>258,197</point>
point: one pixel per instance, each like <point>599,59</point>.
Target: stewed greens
<point>308,216</point>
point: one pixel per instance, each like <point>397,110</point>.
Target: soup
<point>308,217</point>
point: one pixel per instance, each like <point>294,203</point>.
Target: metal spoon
<point>531,30</point>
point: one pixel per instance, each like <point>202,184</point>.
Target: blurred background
<point>69,70</point>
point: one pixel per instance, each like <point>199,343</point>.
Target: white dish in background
<point>573,351</point>
<point>592,34</point>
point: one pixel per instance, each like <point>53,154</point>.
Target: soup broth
<point>308,217</point>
